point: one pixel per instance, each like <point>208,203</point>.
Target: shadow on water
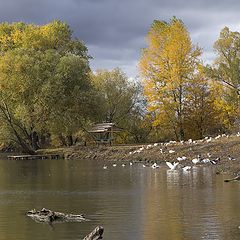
<point>130,202</point>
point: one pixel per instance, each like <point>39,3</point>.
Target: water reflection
<point>187,206</point>
<point>131,202</point>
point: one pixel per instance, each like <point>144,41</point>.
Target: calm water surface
<point>132,203</point>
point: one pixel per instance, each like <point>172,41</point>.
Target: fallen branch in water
<point>46,215</point>
<point>95,234</point>
<point>237,178</point>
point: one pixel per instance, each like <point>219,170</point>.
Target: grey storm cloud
<point>114,31</point>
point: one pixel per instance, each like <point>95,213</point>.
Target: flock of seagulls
<point>188,142</point>
<point>171,166</point>
<point>200,160</point>
<point>177,165</point>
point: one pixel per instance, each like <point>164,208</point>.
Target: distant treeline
<point>49,96</point>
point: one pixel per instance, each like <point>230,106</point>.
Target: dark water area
<point>132,202</point>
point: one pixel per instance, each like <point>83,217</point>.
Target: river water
<point>131,203</point>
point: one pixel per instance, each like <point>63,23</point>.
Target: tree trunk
<point>25,147</point>
<point>181,132</point>
<point>69,140</point>
<point>62,140</point>
<point>35,140</point>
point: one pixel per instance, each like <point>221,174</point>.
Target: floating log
<point>46,215</point>
<point>35,157</point>
<point>95,234</point>
<point>237,178</point>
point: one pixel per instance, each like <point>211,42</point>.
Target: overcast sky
<point>115,30</point>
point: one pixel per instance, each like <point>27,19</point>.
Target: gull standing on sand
<point>181,158</point>
<point>216,161</point>
<point>231,158</point>
<point>209,155</point>
<point>149,146</point>
<point>209,140</point>
<point>206,160</point>
<point>197,160</point>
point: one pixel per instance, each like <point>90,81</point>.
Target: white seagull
<point>181,158</point>
<point>216,161</point>
<point>195,160</point>
<point>209,140</point>
<point>186,168</point>
<point>209,155</point>
<point>172,166</point>
<point>154,166</point>
<point>206,160</point>
<point>231,158</point>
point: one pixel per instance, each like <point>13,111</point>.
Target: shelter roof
<point>105,127</point>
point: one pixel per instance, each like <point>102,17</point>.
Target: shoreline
<point>219,147</point>
<point>159,153</point>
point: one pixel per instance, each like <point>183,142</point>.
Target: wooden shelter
<point>103,132</point>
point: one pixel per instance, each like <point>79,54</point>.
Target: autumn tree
<point>167,66</point>
<point>226,68</point>
<point>44,80</point>
<point>202,116</point>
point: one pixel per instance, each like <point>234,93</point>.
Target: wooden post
<point>111,136</point>
<point>237,178</point>
<point>95,234</point>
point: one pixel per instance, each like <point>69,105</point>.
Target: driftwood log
<point>95,234</point>
<point>46,215</point>
<point>237,178</point>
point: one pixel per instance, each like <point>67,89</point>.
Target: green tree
<point>118,94</point>
<point>44,77</point>
<point>120,101</point>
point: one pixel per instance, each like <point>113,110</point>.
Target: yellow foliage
<point>167,66</point>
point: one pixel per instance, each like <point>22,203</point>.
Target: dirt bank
<point>210,148</point>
